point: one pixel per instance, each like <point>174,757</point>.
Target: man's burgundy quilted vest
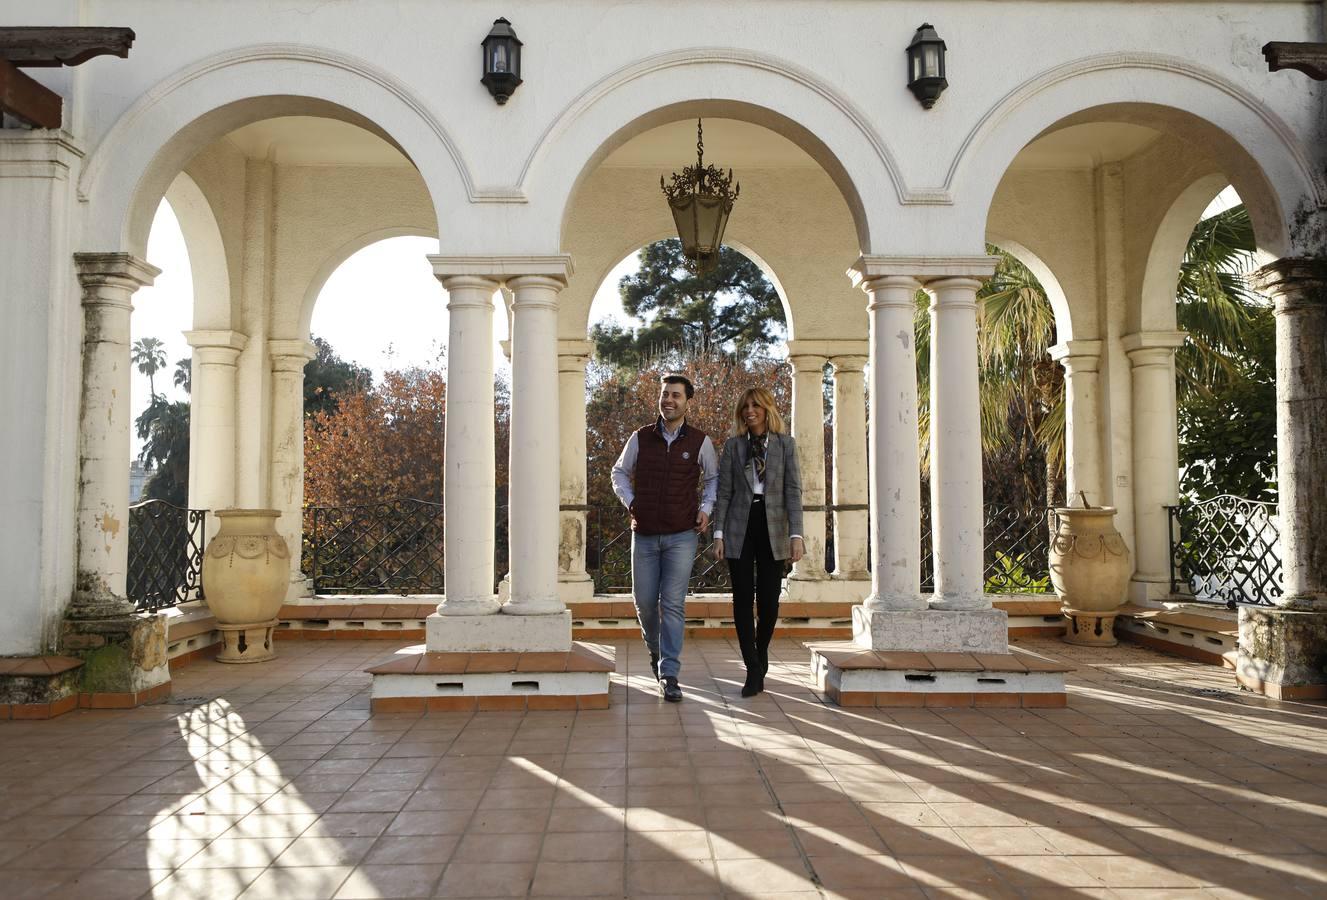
<point>667,478</point>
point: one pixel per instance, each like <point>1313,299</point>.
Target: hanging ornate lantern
<point>701,198</point>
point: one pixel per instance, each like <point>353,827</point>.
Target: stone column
<point>288,359</point>
<point>1281,650</point>
<point>1082,397</point>
<point>851,531</point>
<point>808,429</point>
<point>469,505</point>
<point>895,469</point>
<point>1300,289</point>
<point>109,281</point>
<point>574,582</point>
<point>212,456</point>
<point>1155,457</point>
<point>957,516</point>
<point>533,499</point>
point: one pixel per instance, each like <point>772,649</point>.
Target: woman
<point>757,523</point>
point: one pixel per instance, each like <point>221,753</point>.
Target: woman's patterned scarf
<point>757,445</point>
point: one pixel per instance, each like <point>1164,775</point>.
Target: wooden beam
<point>26,99</point>
<point>57,46</point>
<point>1311,59</point>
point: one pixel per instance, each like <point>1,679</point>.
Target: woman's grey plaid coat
<point>783,494</point>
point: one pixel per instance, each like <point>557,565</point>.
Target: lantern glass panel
<point>931,60</point>
<point>498,59</point>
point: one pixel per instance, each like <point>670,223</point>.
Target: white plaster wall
<point>922,179</point>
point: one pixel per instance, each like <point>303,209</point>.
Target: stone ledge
<point>516,703</point>
<point>417,661</point>
<point>847,655</point>
<point>101,700</point>
<point>38,666</point>
<point>1209,638</point>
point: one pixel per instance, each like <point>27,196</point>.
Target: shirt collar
<point>663,430</point>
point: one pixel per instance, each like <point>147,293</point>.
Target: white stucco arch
<point>1060,306</point>
<point>1156,307</point>
<point>336,257</point>
<point>214,306</point>
<point>724,83</point>
<point>1256,149</point>
<point>130,169</point>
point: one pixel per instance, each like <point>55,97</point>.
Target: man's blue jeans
<point>660,570</point>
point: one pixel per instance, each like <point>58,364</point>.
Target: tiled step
<point>415,680</point>
<point>852,676</point>
<point>1208,636</point>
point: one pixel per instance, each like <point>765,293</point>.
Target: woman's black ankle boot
<point>753,684</point>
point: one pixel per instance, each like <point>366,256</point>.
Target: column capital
<point>1152,347</point>
<point>1297,283</point>
<point>504,268</point>
<point>117,270</point>
<point>477,283</point>
<point>849,363</point>
<point>807,363</point>
<point>229,340</point>
<point>923,268</point>
<point>1077,356</point>
<point>39,154</point>
<point>290,355</point>
<point>574,356</point>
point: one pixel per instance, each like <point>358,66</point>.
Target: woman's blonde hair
<point>765,400</point>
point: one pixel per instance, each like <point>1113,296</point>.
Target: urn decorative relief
<point>246,571</point>
<point>1090,568</point>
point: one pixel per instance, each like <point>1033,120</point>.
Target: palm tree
<point>149,355</point>
<point>1215,306</point>
<point>164,429</point>
<point>184,374</point>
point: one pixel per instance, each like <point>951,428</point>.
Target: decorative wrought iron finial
<point>701,198</point>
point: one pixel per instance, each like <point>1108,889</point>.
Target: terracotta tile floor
<point>273,781</point>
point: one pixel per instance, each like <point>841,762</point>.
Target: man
<point>656,477</point>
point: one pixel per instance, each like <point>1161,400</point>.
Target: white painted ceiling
<point>729,144</point>
<point>314,141</point>
<point>1084,146</point>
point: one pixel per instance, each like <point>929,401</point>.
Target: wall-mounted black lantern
<point>926,66</point>
<point>502,61</point>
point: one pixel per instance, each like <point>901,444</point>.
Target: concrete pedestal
<point>969,631</point>
<point>499,633</point>
<point>1283,653</point>
<point>122,655</point>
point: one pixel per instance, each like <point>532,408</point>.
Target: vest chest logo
<point>686,454</point>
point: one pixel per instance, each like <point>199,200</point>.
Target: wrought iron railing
<point>608,557</point>
<point>393,547</point>
<point>1226,550</point>
<point>165,554</point>
<point>1016,552</point>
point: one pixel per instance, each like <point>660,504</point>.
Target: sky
<point>406,322</point>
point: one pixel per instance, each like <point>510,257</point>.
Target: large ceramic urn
<point>1090,570</point>
<point>246,572</point>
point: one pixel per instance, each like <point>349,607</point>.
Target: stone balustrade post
<point>851,486</point>
<point>212,397</point>
<point>286,484</point>
<point>808,429</point>
<point>1082,397</point>
<point>469,501</point>
<point>535,468</point>
<point>957,514</point>
<point>1155,456</point>
<point>574,581</point>
<point>895,480</point>
<point>109,281</point>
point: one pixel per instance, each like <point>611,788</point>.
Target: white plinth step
<point>852,676</point>
<point>417,680</point>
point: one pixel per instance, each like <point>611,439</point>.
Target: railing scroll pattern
<point>165,554</point>
<point>1226,550</point>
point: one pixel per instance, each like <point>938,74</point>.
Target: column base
<point>1090,629</point>
<point>413,682</point>
<point>247,643</point>
<point>930,630</point>
<point>826,590</point>
<point>123,655</point>
<point>488,606</point>
<point>1282,653</point>
<point>1149,593</point>
<point>498,634</point>
<point>300,590</point>
<point>575,590</point>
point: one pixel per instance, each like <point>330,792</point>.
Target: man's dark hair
<point>678,378</point>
